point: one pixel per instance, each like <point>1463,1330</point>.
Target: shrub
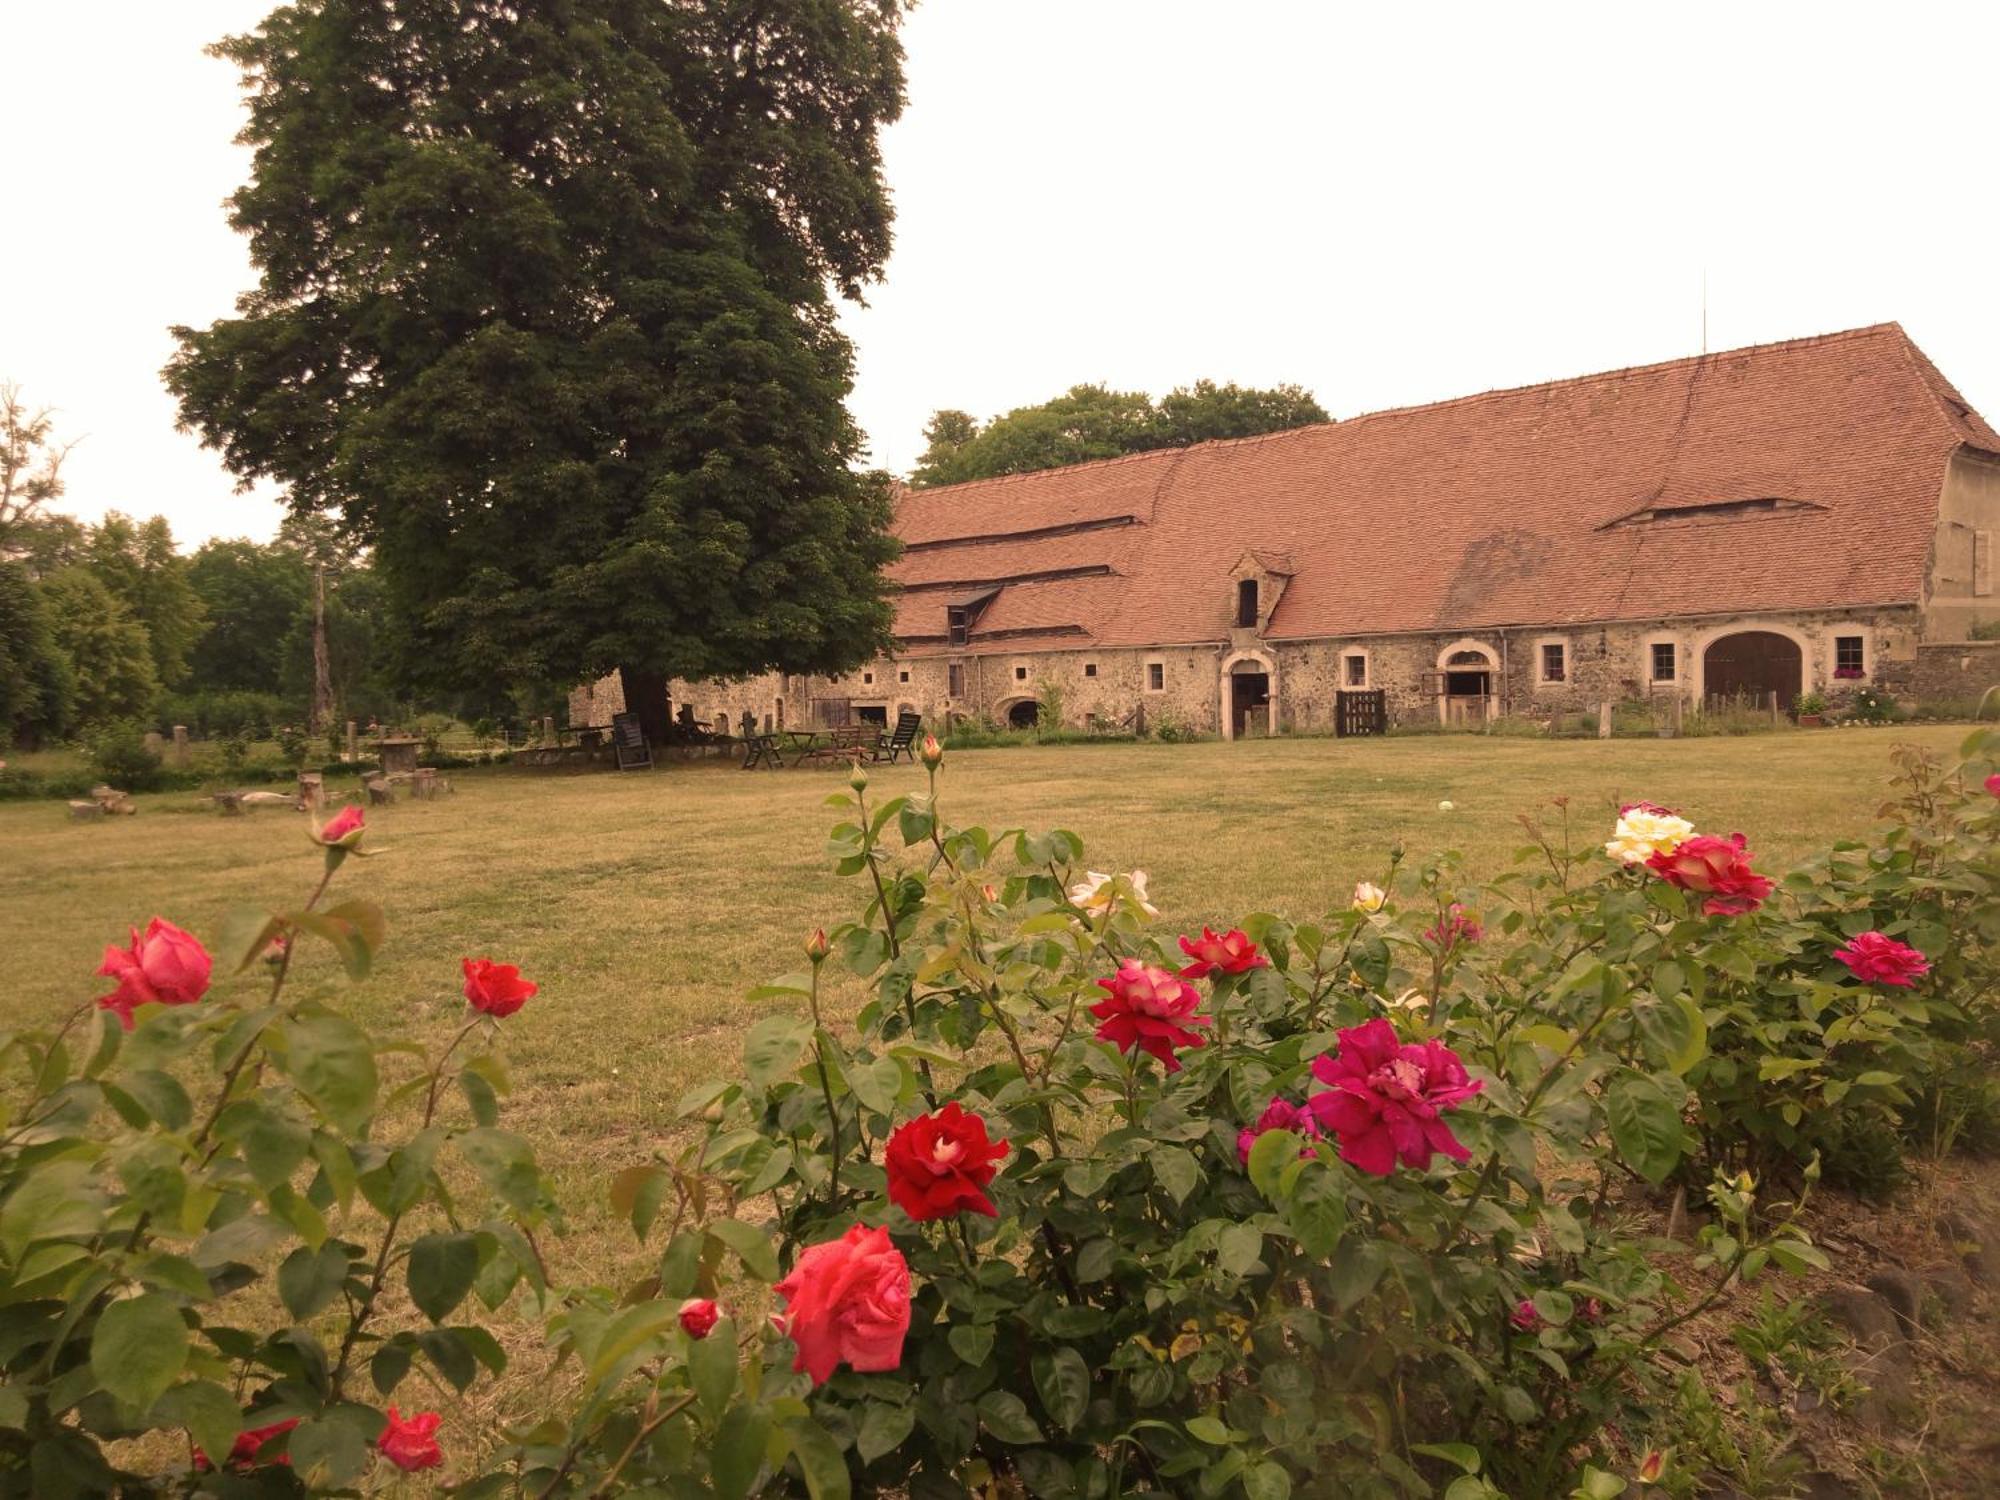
<point>220,714</point>
<point>1870,705</point>
<point>120,756</point>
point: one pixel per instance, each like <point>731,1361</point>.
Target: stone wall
<point>1943,672</point>
<point>1599,663</point>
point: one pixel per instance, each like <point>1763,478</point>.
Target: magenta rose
<point>164,966</point>
<point>1716,869</point>
<point>1385,1097</point>
<point>1525,1316</point>
<point>847,1302</point>
<point>1455,928</point>
<point>1231,952</point>
<point>1993,783</point>
<point>1279,1114</point>
<point>1151,1009</point>
<point>1877,958</point>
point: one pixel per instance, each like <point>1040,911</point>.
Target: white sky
<point>1385,203</point>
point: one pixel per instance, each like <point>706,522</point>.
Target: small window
<point>1020,674</point>
<point>867,679</point>
<point>1355,670</point>
<point>955,680</point>
<point>903,674</point>
<point>1554,661</point>
<point>955,623</point>
<point>1666,661</point>
<point>1849,657</point>
<point>1156,676</point>
<point>1090,669</point>
<point>1246,602</point>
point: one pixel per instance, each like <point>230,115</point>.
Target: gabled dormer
<point>1256,584</point>
<point>963,612</point>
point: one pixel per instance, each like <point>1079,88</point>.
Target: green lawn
<point>647,903</point>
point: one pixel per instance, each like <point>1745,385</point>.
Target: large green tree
<point>106,646</point>
<point>1092,421</point>
<point>137,561</point>
<point>253,596</point>
<point>37,683</point>
<point>544,316</point>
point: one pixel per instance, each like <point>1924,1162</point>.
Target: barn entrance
<point>1750,666</point>
<point>1249,702</point>
<point>1024,715</point>
<point>1468,686</point>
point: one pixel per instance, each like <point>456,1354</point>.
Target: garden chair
<point>628,740</point>
<point>903,741</point>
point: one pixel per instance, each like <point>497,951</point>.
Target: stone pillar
<point>548,729</point>
<point>353,740</point>
<point>180,745</point>
<point>1604,721</point>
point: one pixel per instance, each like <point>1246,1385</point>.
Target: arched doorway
<point>1466,672</point>
<point>1249,695</point>
<point>1025,714</point>
<point>1751,665</point>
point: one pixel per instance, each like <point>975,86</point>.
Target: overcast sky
<point>1385,203</point>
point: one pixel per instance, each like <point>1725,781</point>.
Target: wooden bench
<point>845,745</point>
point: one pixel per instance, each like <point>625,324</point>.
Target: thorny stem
<point>826,1091</point>
<point>889,931</point>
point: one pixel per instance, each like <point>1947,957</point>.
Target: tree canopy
<point>37,682</point>
<point>105,643</point>
<point>543,316</point>
<point>1091,421</point>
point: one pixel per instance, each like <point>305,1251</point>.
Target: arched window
<point>1246,602</point>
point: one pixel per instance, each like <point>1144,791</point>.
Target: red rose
<point>1150,1009</point>
<point>1993,783</point>
<point>939,1164</point>
<point>1717,869</point>
<point>1230,953</point>
<point>1877,958</point>
<point>165,966</point>
<point>411,1443</point>
<point>847,1302</point>
<point>699,1315</point>
<point>343,830</point>
<point>243,1453</point>
<point>497,989</point>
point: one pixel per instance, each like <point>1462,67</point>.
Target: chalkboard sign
<point>629,740</point>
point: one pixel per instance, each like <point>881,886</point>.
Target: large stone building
<point>1810,515</point>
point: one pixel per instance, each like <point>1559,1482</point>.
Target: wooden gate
<point>1751,665</point>
<point>1357,712</point>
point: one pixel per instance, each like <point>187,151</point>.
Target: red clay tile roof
<point>1799,475</point>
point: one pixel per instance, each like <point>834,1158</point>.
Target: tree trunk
<point>322,700</point>
<point>646,696</point>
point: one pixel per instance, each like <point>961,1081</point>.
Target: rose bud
<point>699,1315</point>
<point>932,752</point>
<point>816,946</point>
<point>859,780</point>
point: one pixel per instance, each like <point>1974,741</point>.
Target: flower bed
<point>1320,1207</point>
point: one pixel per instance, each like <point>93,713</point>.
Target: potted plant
<point>1810,710</point>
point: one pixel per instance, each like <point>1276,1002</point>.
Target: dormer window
<point>957,621</point>
<point>1246,602</point>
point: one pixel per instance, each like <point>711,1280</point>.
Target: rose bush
<point>1334,1215</point>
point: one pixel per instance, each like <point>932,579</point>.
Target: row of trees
<point>1092,421</point>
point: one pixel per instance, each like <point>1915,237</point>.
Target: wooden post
<point>1774,706</point>
<point>548,729</point>
<point>1604,721</point>
<point>1680,708</point>
<point>180,745</point>
<point>353,740</point>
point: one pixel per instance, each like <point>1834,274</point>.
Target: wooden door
<point>1751,665</point>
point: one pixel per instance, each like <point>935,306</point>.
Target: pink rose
<point>1226,953</point>
<point>1456,927</point>
<point>343,830</point>
<point>848,1302</point>
<point>166,966</point>
<point>1877,958</point>
<point>1151,1009</point>
<point>699,1315</point>
<point>1279,1114</point>
<point>410,1443</point>
<point>1385,1098</point>
<point>1717,869</point>
<point>496,989</point>
<point>1525,1316</point>
<point>1993,783</point>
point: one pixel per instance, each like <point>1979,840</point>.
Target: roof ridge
<point>1685,361</point>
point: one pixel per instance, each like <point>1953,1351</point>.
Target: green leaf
<point>1062,1380</point>
<point>1645,1126</point>
<point>505,1164</point>
<point>346,928</point>
<point>637,1193</point>
<point>971,1342</point>
<point>680,1264</point>
<point>1240,1249</point>
<point>1317,1211</point>
<point>819,1459</point>
<point>772,1048</point>
<point>246,932</point>
<point>139,1346</point>
<point>369,929</point>
<point>1270,1154</point>
<point>1464,1455</point>
<point>441,1271</point>
<point>1266,1481</point>
<point>1005,1415</point>
<point>711,1364</point>
<point>309,1279</point>
<point>884,1429</point>
<point>205,1409</point>
<point>877,1084</point>
<point>1211,1430</point>
<point>479,1097</point>
<point>1175,1170</point>
<point>331,1060</point>
<point>52,1202</point>
<point>163,1097</point>
<point>752,1246</point>
<point>273,1145</point>
<point>327,1453</point>
<point>737,1457</point>
<point>1357,1265</point>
